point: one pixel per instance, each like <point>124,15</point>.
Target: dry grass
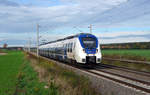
<point>67,81</point>
<point>3,53</point>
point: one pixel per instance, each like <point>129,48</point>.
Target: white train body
<point>82,48</point>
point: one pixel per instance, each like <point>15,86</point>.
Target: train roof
<point>68,37</point>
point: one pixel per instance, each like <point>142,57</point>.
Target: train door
<point>71,50</point>
<point>65,51</point>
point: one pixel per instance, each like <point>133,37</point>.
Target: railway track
<point>129,61</point>
<point>124,81</point>
<point>136,84</point>
<point>143,73</point>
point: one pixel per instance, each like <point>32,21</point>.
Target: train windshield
<point>89,42</point>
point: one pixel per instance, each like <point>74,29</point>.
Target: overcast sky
<point>114,21</point>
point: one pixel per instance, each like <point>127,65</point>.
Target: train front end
<point>88,49</point>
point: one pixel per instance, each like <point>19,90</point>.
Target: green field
<point>17,77</point>
<point>9,68</point>
<point>129,54</point>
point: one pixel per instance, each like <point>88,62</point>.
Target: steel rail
<point>143,73</point>
<point>129,78</point>
<point>123,82</point>
<point>129,61</point>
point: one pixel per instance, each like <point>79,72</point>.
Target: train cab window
<point>89,42</point>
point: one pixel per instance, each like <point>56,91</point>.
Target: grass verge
<point>68,82</point>
<point>28,83</point>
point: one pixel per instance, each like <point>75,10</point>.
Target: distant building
<point>5,45</point>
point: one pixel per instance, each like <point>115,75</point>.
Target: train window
<point>48,51</point>
<point>71,47</point>
<point>74,45</point>
<point>55,49</point>
<point>67,47</point>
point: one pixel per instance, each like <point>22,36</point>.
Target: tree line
<point>135,45</point>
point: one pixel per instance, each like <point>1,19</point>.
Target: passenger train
<point>82,48</point>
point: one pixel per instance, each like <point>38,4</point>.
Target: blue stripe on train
<point>90,51</point>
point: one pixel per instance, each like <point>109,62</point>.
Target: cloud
<point>79,13</point>
<point>128,11</point>
<point>124,40</point>
<point>25,17</point>
<point>8,3</point>
<point>123,33</point>
<point>124,36</point>
<point>127,36</point>
<point>102,13</point>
